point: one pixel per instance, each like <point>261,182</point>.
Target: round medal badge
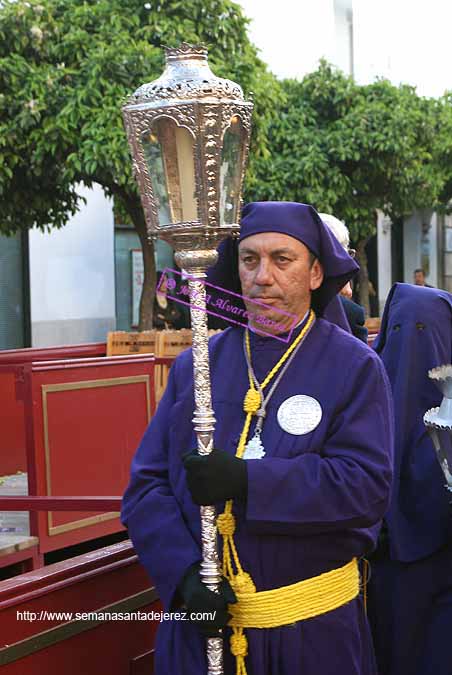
<point>299,414</point>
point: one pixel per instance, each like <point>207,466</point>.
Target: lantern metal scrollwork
<point>189,134</point>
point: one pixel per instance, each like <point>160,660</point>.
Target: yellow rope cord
<point>286,354</point>
<point>297,602</point>
<point>241,581</point>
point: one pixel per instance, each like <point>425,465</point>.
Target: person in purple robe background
<point>410,592</point>
<point>312,503</point>
<point>354,312</point>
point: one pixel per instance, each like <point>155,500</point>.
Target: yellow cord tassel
<point>252,401</point>
<point>239,649</point>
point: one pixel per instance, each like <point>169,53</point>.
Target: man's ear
<point>316,275</point>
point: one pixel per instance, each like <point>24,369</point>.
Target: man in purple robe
<point>310,502</point>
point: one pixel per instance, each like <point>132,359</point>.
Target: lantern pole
<point>204,425</point>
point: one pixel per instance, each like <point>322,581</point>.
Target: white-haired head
<point>338,228</point>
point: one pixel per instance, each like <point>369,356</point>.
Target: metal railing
<point>27,503</point>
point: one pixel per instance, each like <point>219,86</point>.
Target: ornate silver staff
<point>439,421</point>
<point>189,135</point>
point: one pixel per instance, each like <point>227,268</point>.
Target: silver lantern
<point>439,421</point>
<point>189,135</point>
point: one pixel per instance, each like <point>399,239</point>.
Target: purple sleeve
<point>150,510</point>
<point>344,484</point>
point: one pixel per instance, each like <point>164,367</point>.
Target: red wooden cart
<point>94,613</point>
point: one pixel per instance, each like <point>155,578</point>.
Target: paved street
<point>14,525</point>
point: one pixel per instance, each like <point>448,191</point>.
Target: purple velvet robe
<point>314,501</point>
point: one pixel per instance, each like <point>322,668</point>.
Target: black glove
<point>199,599</point>
<point>215,477</point>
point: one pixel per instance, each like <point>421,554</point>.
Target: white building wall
<point>292,36</point>
<point>372,38</point>
<point>447,253</point>
<point>395,40</point>
<point>391,39</point>
<point>343,36</point>
<point>72,276</point>
<point>384,253</point>
<point>411,246</point>
<point>433,278</point>
<point>420,244</point>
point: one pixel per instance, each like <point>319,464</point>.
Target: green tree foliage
<point>442,152</point>
<point>66,68</point>
<point>351,149</point>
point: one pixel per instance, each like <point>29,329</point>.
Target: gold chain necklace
<point>254,448</point>
<point>252,401</point>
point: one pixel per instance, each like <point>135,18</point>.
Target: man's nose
<point>264,273</point>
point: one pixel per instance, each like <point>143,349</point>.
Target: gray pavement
<point>14,525</point>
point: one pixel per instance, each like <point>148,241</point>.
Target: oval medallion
<point>299,414</point>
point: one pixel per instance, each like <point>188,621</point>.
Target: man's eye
<point>282,258</point>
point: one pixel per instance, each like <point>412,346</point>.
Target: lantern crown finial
<point>186,52</point>
<point>187,76</point>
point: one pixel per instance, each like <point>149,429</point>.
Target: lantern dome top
<point>187,76</point>
<point>186,52</point>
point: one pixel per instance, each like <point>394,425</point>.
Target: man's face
<point>419,279</point>
<point>276,270</point>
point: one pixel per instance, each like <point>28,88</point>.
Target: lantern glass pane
<point>442,442</point>
<point>169,154</point>
<point>231,172</point>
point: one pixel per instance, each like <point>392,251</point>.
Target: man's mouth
<point>266,300</point>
